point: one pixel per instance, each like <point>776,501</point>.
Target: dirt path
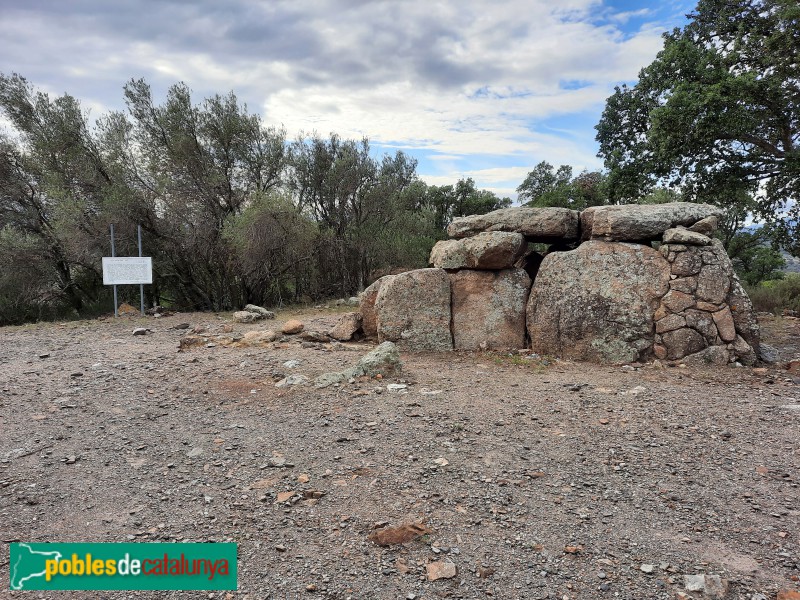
<point>539,479</point>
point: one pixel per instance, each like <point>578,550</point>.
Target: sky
<point>470,88</point>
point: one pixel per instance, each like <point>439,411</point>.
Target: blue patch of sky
<point>573,125</point>
<point>630,15</point>
<point>573,84</point>
<point>487,92</point>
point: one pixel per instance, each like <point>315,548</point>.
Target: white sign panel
<point>122,270</point>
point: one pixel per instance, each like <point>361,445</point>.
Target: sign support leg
<point>114,253</point>
<point>141,285</point>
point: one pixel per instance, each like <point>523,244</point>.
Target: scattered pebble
<point>441,570</point>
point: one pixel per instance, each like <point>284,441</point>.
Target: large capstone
<point>641,222</point>
<point>540,225</point>
<point>597,302</point>
<point>489,309</point>
<point>413,310</point>
<point>487,250</point>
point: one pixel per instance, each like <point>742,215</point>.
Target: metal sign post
<point>113,254</point>
<point>141,285</point>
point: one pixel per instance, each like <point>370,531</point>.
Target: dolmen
<point>614,284</point>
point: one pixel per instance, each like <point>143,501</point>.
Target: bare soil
<point>538,478</point>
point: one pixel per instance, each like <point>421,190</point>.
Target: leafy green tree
<point>544,186</point>
<point>29,284</point>
<point>469,200</point>
<point>52,184</point>
<point>460,200</point>
<point>384,222</point>
<point>547,186</point>
<point>661,195</point>
<point>188,169</point>
<point>738,214</point>
<point>588,188</point>
<point>717,112</point>
<point>357,201</point>
<point>754,259</point>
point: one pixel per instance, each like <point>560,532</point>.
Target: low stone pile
<point>252,313</point>
<point>616,284</point>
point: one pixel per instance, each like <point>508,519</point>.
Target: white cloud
<point>512,82</point>
<point>462,80</point>
<point>624,17</point>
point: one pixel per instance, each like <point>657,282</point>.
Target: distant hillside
<point>792,263</point>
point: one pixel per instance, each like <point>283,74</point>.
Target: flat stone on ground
<point>292,326</point>
<point>244,316</point>
<point>259,338</point>
<point>259,310</point>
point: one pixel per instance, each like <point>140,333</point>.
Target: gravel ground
<point>536,478</point>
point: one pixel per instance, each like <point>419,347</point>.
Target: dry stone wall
<point>619,284</point>
<point>695,319</point>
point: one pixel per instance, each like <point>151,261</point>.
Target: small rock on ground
<point>292,326</point>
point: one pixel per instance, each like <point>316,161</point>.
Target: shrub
<point>274,245</point>
<point>777,295</point>
<point>28,286</point>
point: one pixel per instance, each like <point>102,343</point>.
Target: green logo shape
<point>110,566</point>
